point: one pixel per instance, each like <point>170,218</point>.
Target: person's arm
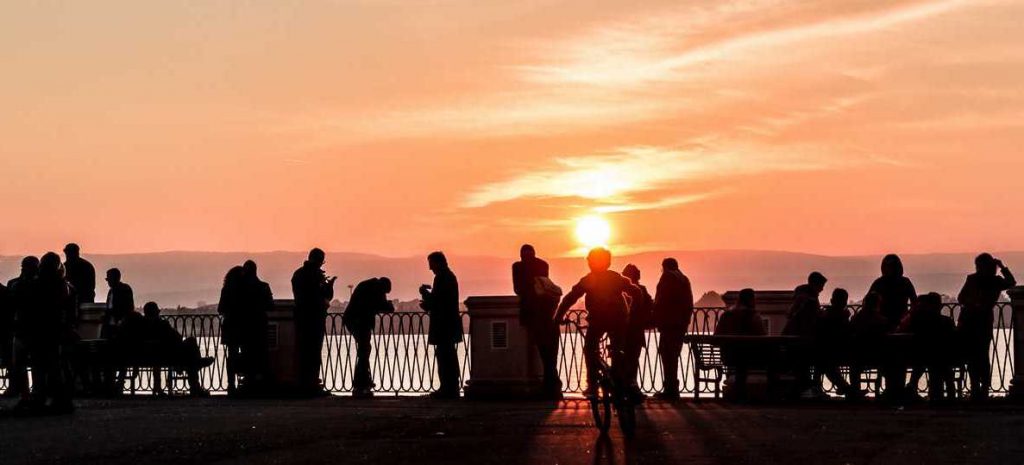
<point>1007,276</point>
<point>384,305</point>
<point>569,300</point>
<point>687,295</point>
<point>966,295</point>
<point>519,286</point>
<point>130,305</point>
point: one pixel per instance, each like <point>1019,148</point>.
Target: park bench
<point>100,354</point>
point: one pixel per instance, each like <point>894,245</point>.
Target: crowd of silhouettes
<point>39,315</point>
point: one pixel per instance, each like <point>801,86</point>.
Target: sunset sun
<point>593,231</point>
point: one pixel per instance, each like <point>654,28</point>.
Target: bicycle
<point>610,392</point>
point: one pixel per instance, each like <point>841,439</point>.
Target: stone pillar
<point>90,320</point>
<point>503,364</point>
<point>283,356</point>
<point>1017,384</point>
<point>774,307</point>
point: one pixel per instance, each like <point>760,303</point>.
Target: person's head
<point>29,266</point>
<point>746,298</point>
<point>317,257</point>
<point>817,281</point>
<point>437,261</point>
<point>250,269</point>
<point>840,298</point>
<point>50,265</point>
<point>151,310</point>
<point>930,303</point>
<point>632,272</point>
<point>985,264</point>
<point>385,284</point>
<point>872,302</point>
<point>113,276</point>
<point>71,251</point>
<point>234,276</point>
<point>599,259</point>
<point>527,252</point>
<point>892,265</point>
<point>669,264</point>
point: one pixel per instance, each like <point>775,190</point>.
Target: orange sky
<point>388,127</point>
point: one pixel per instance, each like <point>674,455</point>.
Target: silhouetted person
<point>369,299</point>
<point>934,336</point>
<point>538,299</point>
<point>231,307</point>
<point>441,302</point>
<point>607,313</point>
<point>833,337</point>
<point>6,329</point>
<point>896,290</point>
<point>257,303</point>
<point>48,328</point>
<point>120,302</point>
<point>80,273</point>
<point>313,292</point>
<point>741,320</point>
<point>19,302</point>
<point>154,338</point>
<point>673,310</point>
<point>978,298</point>
<point>869,329</point>
<point>641,315</point>
<point>803,322</point>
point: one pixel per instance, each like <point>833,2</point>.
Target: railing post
<point>1017,307</point>
<point>502,362</point>
<point>281,345</point>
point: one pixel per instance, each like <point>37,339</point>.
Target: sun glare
<point>593,231</point>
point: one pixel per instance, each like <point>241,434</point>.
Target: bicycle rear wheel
<point>626,410</point>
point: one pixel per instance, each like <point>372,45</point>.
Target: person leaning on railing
<point>369,299</point>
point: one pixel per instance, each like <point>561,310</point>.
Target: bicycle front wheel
<point>601,407</point>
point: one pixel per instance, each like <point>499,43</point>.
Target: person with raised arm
<point>978,298</point>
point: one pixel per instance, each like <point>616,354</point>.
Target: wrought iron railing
<point>403,363</point>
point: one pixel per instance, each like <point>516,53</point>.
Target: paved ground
<point>414,430</point>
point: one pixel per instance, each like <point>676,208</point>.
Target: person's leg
<point>361,377</point>
<point>591,355</point>
<point>547,347</point>
<point>316,353</point>
<point>631,361</point>
<point>669,349</point>
<point>447,368</point>
<point>981,373</point>
<point>232,367</point>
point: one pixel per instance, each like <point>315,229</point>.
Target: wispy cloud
<point>612,177</point>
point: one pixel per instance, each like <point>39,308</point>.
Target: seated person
<point>154,339</point>
<point>740,320</point>
<point>803,322</point>
<point>934,335</point>
<point>869,328</point>
<point>833,341</point>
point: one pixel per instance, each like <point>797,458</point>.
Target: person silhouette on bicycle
<point>607,311</point>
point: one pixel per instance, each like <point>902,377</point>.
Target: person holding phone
<point>313,292</point>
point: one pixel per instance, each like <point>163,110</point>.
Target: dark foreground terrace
<point>339,430</point>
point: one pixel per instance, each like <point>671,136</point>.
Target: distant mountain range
<point>190,278</point>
